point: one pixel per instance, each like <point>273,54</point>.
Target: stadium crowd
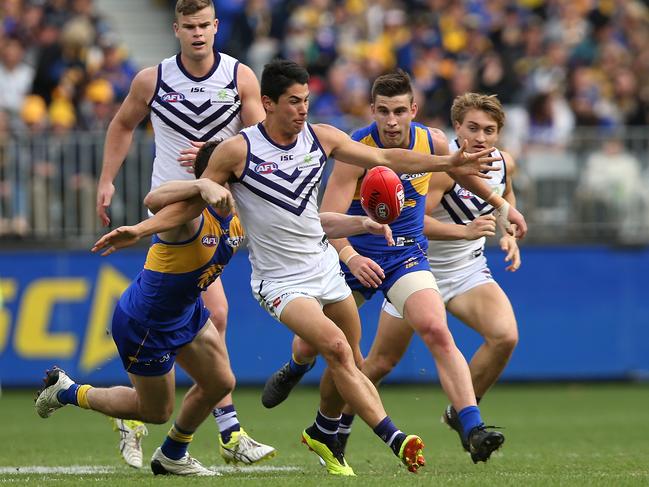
<point>555,65</point>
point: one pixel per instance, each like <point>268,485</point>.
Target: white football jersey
<point>460,206</point>
<point>185,108</point>
<point>276,199</point>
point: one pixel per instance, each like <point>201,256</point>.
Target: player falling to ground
<point>195,96</point>
<point>401,272</point>
<point>161,319</point>
<point>275,169</point>
<point>456,224</point>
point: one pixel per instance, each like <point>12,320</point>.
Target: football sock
<point>176,442</point>
<point>469,418</point>
<point>326,428</point>
<point>298,368</point>
<point>346,421</point>
<point>75,395</point>
<point>226,419</point>
<point>388,432</point>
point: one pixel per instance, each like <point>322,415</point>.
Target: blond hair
<point>490,104</point>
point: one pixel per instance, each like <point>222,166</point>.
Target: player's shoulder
<point>508,159</point>
<point>363,132</point>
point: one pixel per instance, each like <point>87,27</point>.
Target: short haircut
<point>392,84</point>
<point>477,101</point>
<point>279,75</point>
<point>190,7</point>
<point>203,156</point>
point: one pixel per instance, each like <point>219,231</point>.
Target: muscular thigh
<point>345,315</point>
<point>424,309</point>
<point>155,393</point>
<point>486,309</point>
<point>205,357</point>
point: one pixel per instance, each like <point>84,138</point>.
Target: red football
<point>382,194</point>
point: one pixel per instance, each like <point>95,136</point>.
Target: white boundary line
<point>106,469</point>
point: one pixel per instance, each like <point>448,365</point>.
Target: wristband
<point>346,254</point>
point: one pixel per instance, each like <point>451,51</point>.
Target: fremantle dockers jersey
<point>185,108</point>
<point>164,293</point>
<point>460,206</point>
<point>276,199</point>
<point>408,228</point>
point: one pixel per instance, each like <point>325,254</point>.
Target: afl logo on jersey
<point>210,240</point>
<point>465,194</point>
<point>266,168</point>
<point>173,97</point>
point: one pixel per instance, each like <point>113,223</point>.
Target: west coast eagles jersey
<point>185,108</point>
<point>164,293</point>
<point>408,228</point>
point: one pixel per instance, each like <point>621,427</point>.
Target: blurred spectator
<point>15,76</point>
<point>97,107</point>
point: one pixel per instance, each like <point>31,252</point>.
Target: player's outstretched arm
<point>120,135</point>
<point>339,145</point>
<point>338,225</point>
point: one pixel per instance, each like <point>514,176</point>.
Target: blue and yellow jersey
<point>408,228</point>
<point>164,294</point>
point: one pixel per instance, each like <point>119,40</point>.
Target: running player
<point>401,272</point>
<point>456,228</point>
<point>195,96</point>
<point>276,167</point>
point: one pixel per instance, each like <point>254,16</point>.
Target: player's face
<point>291,108</point>
<point>196,33</point>
<point>393,116</point>
<point>478,129</point>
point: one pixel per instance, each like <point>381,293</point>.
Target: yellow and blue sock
<point>469,419</point>
<point>226,420</point>
<point>176,443</point>
<point>76,395</point>
<point>298,368</point>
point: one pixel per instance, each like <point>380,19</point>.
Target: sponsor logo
<point>266,168</point>
<point>223,96</point>
<point>464,194</point>
<point>309,161</point>
<point>197,89</point>
<point>173,97</point>
<point>409,177</point>
<point>276,302</point>
<point>210,240</point>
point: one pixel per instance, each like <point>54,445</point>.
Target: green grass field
<point>595,435</point>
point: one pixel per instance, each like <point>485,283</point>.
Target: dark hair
<point>279,75</point>
<point>203,156</point>
<point>392,84</point>
<point>190,7</point>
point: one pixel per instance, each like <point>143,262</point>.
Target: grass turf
<point>584,434</point>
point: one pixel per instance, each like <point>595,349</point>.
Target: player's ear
<point>414,108</point>
<point>266,102</point>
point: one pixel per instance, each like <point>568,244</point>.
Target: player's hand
<point>509,245</point>
<point>105,192</point>
<point>216,195</point>
<point>472,163</point>
<point>117,239</point>
<point>483,226</point>
<point>377,228</point>
<point>368,272</point>
<point>188,156</point>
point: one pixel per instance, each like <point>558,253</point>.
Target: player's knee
<point>378,366</point>
<point>506,342</point>
<point>157,416</point>
<point>336,350</point>
<point>438,337</point>
<point>219,317</point>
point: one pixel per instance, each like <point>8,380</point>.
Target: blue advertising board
<point>582,314</point>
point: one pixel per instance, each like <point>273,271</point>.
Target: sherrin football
<point>382,194</point>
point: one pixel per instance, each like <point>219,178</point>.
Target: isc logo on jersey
<point>266,168</point>
<point>210,240</point>
<point>465,194</point>
<point>173,97</point>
